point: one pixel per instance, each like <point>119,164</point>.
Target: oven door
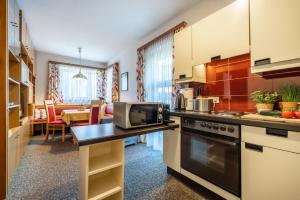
<point>212,157</point>
<point>143,115</point>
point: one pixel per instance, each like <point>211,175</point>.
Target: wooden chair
<point>53,123</point>
<point>94,117</point>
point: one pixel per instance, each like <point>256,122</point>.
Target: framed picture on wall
<point>124,81</point>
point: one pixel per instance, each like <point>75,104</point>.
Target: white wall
<point>42,59</point>
<point>128,58</point>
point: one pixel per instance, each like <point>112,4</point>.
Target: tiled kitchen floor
<point>51,171</point>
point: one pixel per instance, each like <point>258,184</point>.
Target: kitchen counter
<point>101,156</point>
<point>87,135</point>
<point>238,120</point>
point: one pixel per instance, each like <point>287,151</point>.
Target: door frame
<point>3,96</point>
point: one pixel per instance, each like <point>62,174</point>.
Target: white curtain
<point>109,80</point>
<point>158,79</point>
<point>77,91</point>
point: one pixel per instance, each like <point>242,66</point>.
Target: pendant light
<point>80,76</point>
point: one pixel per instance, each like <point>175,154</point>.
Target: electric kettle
<point>179,102</point>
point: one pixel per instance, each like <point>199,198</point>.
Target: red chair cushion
<point>80,124</point>
<point>95,114</point>
<point>58,121</point>
<point>51,113</point>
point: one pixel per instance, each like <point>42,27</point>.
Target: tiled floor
<point>51,171</point>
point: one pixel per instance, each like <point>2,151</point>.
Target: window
<point>77,91</point>
<point>109,79</point>
<point>158,79</point>
<point>159,70</point>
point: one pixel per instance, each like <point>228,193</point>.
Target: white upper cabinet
<point>275,34</point>
<point>183,54</point>
<point>225,33</point>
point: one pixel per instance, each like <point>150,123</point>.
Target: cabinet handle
<point>262,62</point>
<point>182,76</point>
<point>277,132</point>
<point>254,147</point>
<point>215,58</point>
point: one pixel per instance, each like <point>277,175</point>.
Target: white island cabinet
<point>270,164</point>
<point>102,171</point>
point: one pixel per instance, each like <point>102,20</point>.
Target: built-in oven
<point>211,151</point>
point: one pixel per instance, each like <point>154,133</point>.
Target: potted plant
<point>290,97</point>
<point>264,100</point>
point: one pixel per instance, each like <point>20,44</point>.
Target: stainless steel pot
<point>203,105</point>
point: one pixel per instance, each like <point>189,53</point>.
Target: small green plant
<point>290,93</point>
<point>264,97</point>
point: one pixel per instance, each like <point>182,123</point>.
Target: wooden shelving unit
<point>102,171</point>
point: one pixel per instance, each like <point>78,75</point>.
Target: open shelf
<point>103,163</point>
<point>103,185</point>
<point>12,81</point>
<point>116,196</point>
<point>13,57</point>
<point>25,55</point>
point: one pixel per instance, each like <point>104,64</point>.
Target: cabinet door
<point>270,174</point>
<point>275,30</point>
<point>171,147</point>
<point>225,33</point>
<point>183,54</point>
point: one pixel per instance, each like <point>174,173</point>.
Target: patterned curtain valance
<point>54,92</point>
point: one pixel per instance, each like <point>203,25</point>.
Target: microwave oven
<point>141,114</point>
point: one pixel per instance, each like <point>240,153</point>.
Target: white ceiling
<point>101,27</point>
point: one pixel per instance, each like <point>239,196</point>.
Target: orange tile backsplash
<point>232,81</point>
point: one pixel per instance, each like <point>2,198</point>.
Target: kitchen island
<point>101,154</point>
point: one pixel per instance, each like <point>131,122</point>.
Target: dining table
<point>69,116</point>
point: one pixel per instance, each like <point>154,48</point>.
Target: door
<point>275,30</point>
<point>212,157</point>
<point>269,173</point>
<point>223,34</point>
<point>183,54</point>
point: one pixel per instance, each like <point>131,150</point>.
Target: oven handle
<point>219,141</point>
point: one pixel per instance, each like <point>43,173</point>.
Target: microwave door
<point>142,114</point>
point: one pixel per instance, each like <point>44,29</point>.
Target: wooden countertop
<point>87,135</point>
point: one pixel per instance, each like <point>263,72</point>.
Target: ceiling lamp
<point>80,76</point>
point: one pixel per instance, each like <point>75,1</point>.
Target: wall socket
<point>215,99</point>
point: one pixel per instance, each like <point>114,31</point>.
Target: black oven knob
<point>160,116</point>
<point>160,109</point>
<point>230,129</point>
<point>223,128</point>
<point>216,126</point>
<point>203,124</point>
<point>209,125</point>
